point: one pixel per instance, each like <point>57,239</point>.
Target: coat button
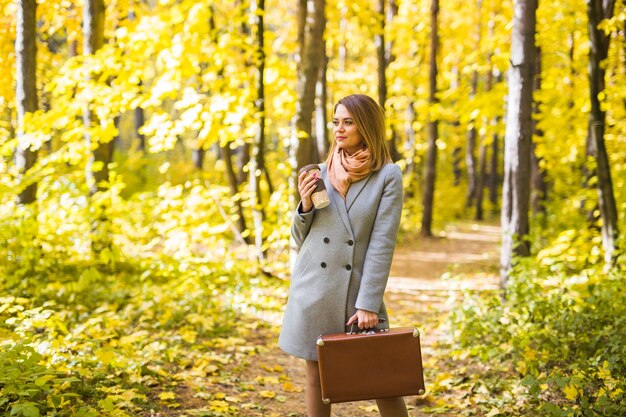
<point>323,264</point>
<point>348,267</point>
<point>326,240</point>
<point>350,242</point>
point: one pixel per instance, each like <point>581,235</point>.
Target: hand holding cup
<point>311,188</point>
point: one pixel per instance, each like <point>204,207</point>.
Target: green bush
<point>563,335</point>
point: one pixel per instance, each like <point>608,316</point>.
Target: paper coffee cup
<point>320,195</point>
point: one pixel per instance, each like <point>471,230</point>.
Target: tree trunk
<point>312,55</point>
<point>482,158</point>
<point>102,153</point>
<point>457,152</point>
<point>482,152</point>
<point>517,140</point>
<point>197,157</point>
<point>598,51</point>
<point>257,162</point>
<point>140,120</point>
<point>233,184</point>
<point>343,43</point>
<point>431,155</point>
<point>383,53</point>
<point>379,41</point>
<point>321,112</point>
<point>538,174</point>
<point>472,134</point>
<point>470,157</point>
<point>409,131</point>
<point>26,89</point>
<point>242,152</point>
<point>480,179</point>
<point>494,177</point>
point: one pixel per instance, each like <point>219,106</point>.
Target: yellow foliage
<point>167,395</point>
<point>267,394</point>
<point>570,391</point>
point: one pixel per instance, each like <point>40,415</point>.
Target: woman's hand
<point>306,186</point>
<point>366,319</point>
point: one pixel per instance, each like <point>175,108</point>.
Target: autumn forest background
<point>147,159</point>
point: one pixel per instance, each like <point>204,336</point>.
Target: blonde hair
<point>369,119</point>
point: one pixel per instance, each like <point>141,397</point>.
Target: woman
<point>345,249</point>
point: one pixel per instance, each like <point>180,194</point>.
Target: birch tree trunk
<point>321,110</point>
<point>431,154</point>
<point>26,89</point>
<point>597,10</point>
<point>517,139</point>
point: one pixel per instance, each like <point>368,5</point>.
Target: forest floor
<point>429,279</point>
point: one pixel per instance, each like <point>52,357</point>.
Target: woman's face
<point>345,131</point>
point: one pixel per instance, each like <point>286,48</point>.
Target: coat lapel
<point>354,191</point>
<point>338,202</point>
<point>341,208</point>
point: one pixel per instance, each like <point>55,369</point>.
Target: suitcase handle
<point>365,331</point>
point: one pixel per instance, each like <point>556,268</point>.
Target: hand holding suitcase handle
<point>352,331</point>
<point>364,319</point>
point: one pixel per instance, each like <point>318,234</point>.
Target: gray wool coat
<point>343,261</point>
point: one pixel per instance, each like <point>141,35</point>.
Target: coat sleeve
<point>301,225</point>
<point>382,243</point>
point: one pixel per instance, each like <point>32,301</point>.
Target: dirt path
<point>427,279</point>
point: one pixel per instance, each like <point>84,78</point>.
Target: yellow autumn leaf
<point>615,393</point>
<point>189,336</point>
<point>105,356</point>
<point>232,399</point>
<point>604,372</point>
<point>571,393</point>
<point>167,395</point>
<point>289,387</point>
<point>275,368</point>
<point>530,354</point>
<point>218,405</point>
<point>268,394</point>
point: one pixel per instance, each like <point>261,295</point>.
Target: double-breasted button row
<point>349,242</point>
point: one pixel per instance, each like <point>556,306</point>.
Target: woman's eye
<point>336,123</point>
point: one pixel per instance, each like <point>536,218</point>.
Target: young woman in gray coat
<point>344,249</point>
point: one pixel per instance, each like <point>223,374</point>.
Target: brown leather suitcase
<point>371,365</point>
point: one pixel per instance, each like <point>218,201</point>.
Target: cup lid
<point>308,168</point>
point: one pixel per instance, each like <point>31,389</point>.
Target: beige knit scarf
<point>344,169</point>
